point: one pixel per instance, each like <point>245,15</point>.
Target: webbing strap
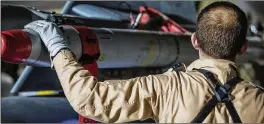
<point>206,110</point>
<point>232,111</point>
<point>221,95</point>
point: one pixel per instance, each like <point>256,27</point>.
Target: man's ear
<point>194,41</point>
<point>243,48</point>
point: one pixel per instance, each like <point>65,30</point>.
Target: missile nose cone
<point>15,46</point>
<point>3,44</point>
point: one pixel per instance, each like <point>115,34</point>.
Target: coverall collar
<point>224,69</point>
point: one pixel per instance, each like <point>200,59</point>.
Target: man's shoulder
<point>253,88</point>
<point>180,70</point>
<point>253,85</point>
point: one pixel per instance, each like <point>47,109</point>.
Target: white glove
<point>50,34</point>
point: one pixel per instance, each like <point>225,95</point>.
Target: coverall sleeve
<point>113,100</point>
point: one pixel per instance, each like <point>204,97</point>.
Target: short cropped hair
<point>221,30</point>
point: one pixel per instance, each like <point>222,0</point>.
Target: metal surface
<point>121,48</point>
<point>16,17</point>
<point>183,11</point>
<point>73,40</point>
<point>37,49</point>
<point>92,11</point>
<point>36,110</point>
<point>187,53</point>
<point>43,5</point>
<point>38,54</point>
<point>16,88</point>
<point>67,7</point>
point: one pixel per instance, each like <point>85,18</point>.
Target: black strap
<point>179,67</point>
<point>221,95</point>
<point>206,110</point>
<point>232,111</point>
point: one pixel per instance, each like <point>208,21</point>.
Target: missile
<point>119,48</point>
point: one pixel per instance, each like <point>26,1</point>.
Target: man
<point>174,96</point>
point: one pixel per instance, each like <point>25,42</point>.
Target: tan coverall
<point>171,97</point>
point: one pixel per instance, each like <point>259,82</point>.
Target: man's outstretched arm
<point>113,100</point>
<point>109,101</point>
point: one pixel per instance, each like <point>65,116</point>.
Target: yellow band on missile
<point>46,92</point>
<point>151,53</point>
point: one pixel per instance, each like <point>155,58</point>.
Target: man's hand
<point>50,34</point>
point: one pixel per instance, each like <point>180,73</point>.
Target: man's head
<point>221,31</point>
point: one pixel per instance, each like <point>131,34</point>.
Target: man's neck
<point>202,55</point>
